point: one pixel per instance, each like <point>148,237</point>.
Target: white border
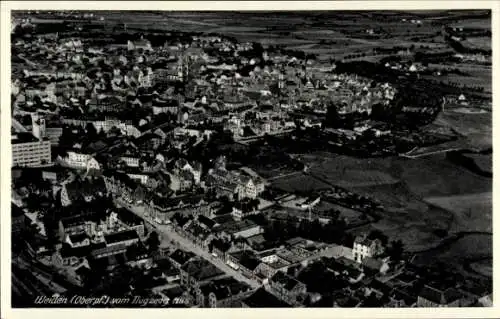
<point>5,159</point>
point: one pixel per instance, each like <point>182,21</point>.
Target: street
<point>167,234</point>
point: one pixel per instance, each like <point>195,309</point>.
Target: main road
<point>169,234</point>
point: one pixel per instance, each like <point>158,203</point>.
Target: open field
<point>483,43</point>
<point>484,161</point>
<point>346,171</point>
<point>472,212</point>
<point>299,183</point>
<point>473,23</point>
<point>456,253</point>
<point>345,212</point>
<point>476,80</point>
<point>476,128</point>
<point>401,185</point>
<point>483,267</point>
<point>435,176</point>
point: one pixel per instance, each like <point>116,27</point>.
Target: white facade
<point>34,153</point>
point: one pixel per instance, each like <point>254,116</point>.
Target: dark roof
<point>285,280</point>
<point>85,187</point>
<point>263,299</point>
<point>201,269</point>
<point>438,296</point>
<point>181,256</point>
<point>372,263</point>
<point>68,251</point>
<point>129,218</point>
<point>206,221</point>
<point>249,262</point>
<point>166,203</point>
<point>121,236</point>
<point>23,137</point>
<point>221,219</point>
<point>78,237</point>
<point>237,226</point>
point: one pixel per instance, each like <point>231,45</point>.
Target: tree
<point>396,250</point>
<point>332,116</point>
<point>91,131</point>
<point>153,241</point>
<point>377,234</point>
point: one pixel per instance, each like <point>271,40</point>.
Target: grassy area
<point>299,183</point>
<point>346,171</point>
<point>469,247</point>
<point>476,128</point>
<point>484,161</point>
<point>472,212</point>
<point>484,267</point>
<point>483,43</point>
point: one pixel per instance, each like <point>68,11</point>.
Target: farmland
<point>346,171</point>
<point>458,252</point>
<point>299,182</point>
<point>416,194</point>
<point>472,212</point>
<point>476,128</point>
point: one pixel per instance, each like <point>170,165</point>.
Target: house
<point>261,298</point>
<point>78,240</point>
<point>269,266</point>
<point>127,238</point>
<point>220,293</point>
<point>433,297</point>
<point>82,190</point>
<point>180,257</point>
<point>287,288</point>
<point>69,256</point>
<point>245,261</point>
<point>81,159</point>
<point>364,247</point>
<point>199,235</point>
<point>197,271</point>
<point>343,266</point>
<point>139,44</point>
<point>375,265</point>
<point>162,209</point>
<point>244,228</point>
<point>132,221</point>
<point>232,183</point>
<point>120,184</point>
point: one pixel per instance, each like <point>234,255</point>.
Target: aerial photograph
<point>251,159</point>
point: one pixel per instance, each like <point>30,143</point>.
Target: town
<point>145,165</point>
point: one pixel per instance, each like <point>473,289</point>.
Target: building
<point>433,297</point>
<point>287,288</point>
<point>262,298</point>
<point>364,247</point>
<point>79,159</point>
<point>244,228</point>
<point>84,190</point>
<point>198,271</point>
<point>27,150</point>
<point>139,44</point>
<point>127,238</point>
<point>220,293</point>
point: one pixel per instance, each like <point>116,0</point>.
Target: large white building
<point>364,247</point>
<point>27,150</point>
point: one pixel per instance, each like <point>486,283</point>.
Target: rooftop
<point>261,298</point>
<point>121,236</point>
